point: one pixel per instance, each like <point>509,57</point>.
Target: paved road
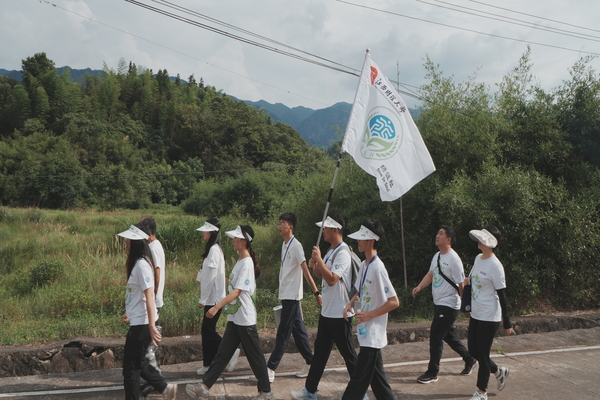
<point>557,365</point>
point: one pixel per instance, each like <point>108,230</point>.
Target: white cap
<point>329,223</point>
<point>208,227</point>
<point>485,237</point>
<point>237,233</point>
<point>134,233</point>
<point>364,233</point>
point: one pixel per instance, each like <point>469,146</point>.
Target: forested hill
<point>127,137</point>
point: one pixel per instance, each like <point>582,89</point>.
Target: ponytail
<point>249,236</point>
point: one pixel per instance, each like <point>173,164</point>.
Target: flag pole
<point>335,174</point>
<point>401,208</point>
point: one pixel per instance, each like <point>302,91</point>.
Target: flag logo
<point>382,138</point>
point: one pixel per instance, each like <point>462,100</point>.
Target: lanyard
<point>362,281</point>
<point>287,248</point>
<point>331,253</point>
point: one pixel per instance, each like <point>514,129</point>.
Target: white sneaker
<point>479,396</point>
<point>234,360</point>
<point>501,377</point>
<point>271,374</point>
<point>303,373</point>
<point>202,371</point>
<point>170,392</point>
<point>197,391</point>
<point>303,395</point>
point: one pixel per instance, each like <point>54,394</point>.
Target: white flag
<point>382,137</point>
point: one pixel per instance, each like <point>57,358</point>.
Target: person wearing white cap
<point>293,266</point>
<point>333,327</point>
<point>241,320</point>
<point>488,308</point>
<point>140,313</point>
<point>446,276</point>
<point>212,290</point>
<point>376,297</point>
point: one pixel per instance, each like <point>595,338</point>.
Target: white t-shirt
<point>158,256</point>
<point>241,311</point>
<point>335,297</point>
<point>141,278</point>
<point>212,277</point>
<point>375,291</point>
<point>290,274</point>
<point>443,293</point>
<point>487,277</point>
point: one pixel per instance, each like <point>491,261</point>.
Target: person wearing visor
<point>446,276</point>
<point>488,308</point>
<point>140,313</point>
<point>333,327</point>
<point>241,320</point>
<point>212,290</point>
<point>376,297</point>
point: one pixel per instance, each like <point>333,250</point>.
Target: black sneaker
<point>469,367</point>
<point>427,378</point>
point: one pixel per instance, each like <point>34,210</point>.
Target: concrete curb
<point>85,354</point>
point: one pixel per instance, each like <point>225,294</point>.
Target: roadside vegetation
<point>136,143</point>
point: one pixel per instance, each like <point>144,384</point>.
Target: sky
<point>400,35</point>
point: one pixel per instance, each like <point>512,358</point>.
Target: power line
<point>510,20</point>
<point>465,29</point>
<point>535,16</point>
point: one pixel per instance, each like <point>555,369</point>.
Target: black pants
<point>211,340</point>
<point>368,371</point>
<point>481,337</point>
<point>291,323</point>
<point>331,330</point>
<point>233,336</point>
<point>442,330</point>
<point>135,363</point>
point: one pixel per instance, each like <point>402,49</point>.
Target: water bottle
<point>361,327</point>
<point>152,353</point>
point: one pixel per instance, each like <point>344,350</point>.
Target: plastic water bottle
<point>152,353</point>
<point>362,327</point>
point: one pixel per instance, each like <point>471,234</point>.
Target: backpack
<point>355,263</point>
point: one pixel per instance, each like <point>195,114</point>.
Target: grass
<point>62,274</point>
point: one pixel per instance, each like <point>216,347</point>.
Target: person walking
<point>241,320</point>
<point>141,314</point>
<point>488,308</point>
<point>376,297</point>
<point>446,276</point>
<point>212,290</point>
<point>334,327</point>
<point>293,266</point>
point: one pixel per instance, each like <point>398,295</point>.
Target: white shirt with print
<point>375,291</point>
<point>487,277</point>
<point>212,277</point>
<point>335,297</point>
<point>290,274</point>
<point>241,311</point>
<point>158,256</point>
<point>443,293</point>
<point>141,278</point>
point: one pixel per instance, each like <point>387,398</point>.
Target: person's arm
<point>329,277</point>
<point>156,279</point>
<point>235,293</point>
<point>151,310</point>
<point>391,304</point>
<point>313,265</point>
<point>349,306</point>
<point>504,306</point>
<point>426,281</point>
<point>311,283</point>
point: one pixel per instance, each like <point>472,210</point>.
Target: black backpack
<point>355,263</point>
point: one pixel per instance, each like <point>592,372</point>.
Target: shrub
<point>46,273</point>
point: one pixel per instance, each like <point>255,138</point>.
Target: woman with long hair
<point>140,313</point>
<point>241,320</point>
<point>212,290</point>
<point>488,308</point>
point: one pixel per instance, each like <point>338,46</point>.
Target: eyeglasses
<point>281,224</point>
